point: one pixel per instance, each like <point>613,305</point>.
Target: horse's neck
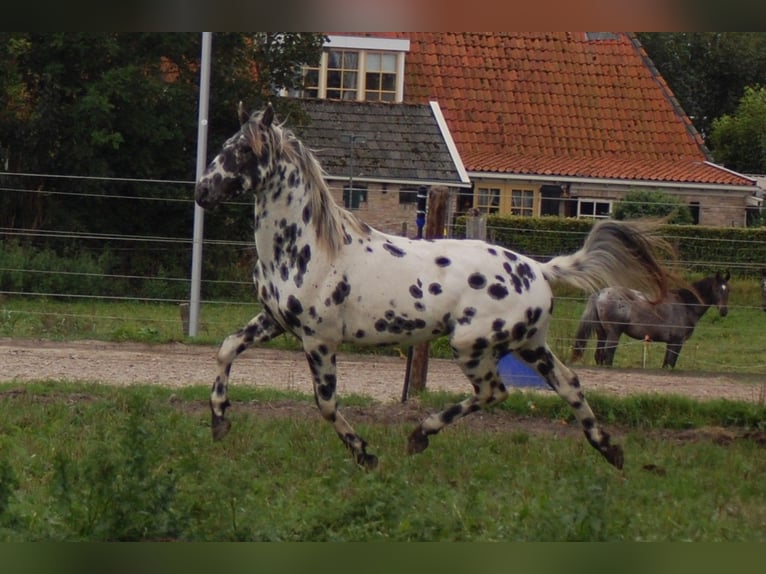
<point>695,302</point>
<point>291,209</point>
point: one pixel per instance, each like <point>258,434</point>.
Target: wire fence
<point>146,246</point>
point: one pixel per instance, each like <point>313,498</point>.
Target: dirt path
<point>380,377</point>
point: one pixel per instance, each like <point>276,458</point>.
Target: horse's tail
<point>616,253</point>
<point>585,329</point>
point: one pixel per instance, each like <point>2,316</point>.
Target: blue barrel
<point>517,373</point>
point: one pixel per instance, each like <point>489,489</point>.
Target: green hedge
<point>704,249</point>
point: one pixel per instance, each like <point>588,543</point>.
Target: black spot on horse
<point>394,250</point>
<point>492,251</point>
<point>294,305</point>
<point>443,261</point>
<point>342,290</point>
<point>510,255</point>
<point>497,291</point>
<point>477,281</point>
<point>533,315</point>
<point>518,331</point>
<point>480,344</point>
<point>359,334</point>
<point>416,292</point>
<point>498,324</point>
<point>468,314</point>
<point>306,214</point>
<point>380,325</point>
<point>435,289</point>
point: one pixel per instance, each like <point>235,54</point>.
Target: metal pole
<point>199,213</point>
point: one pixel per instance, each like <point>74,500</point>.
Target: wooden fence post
<point>436,220</point>
<point>476,227</point>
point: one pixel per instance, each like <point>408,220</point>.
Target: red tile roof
<point>557,103</point>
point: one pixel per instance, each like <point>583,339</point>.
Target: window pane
<point>389,63</point>
<point>333,59</point>
<point>389,82</point>
<point>373,62</point>
<point>349,80</point>
<point>350,60</point>
<point>372,81</point>
<point>333,79</point>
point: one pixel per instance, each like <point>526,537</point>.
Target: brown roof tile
<point>557,103</point>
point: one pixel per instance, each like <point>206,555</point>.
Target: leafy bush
<point>655,204</point>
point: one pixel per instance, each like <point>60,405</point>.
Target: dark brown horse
<point>616,310</point>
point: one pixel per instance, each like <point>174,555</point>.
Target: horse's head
<point>721,291</point>
<point>244,161</point>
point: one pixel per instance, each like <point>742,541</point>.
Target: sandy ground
<point>376,376</point>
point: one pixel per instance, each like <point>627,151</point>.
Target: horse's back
<point>439,285</point>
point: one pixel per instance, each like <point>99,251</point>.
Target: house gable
<point>584,111</point>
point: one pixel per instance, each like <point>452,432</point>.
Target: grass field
<point>94,463</point>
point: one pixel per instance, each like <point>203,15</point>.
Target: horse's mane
<point>330,219</point>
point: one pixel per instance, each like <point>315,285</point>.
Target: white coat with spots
<point>327,278</point>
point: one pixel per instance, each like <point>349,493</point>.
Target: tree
<point>653,204</point>
<point>739,139</point>
<point>124,105</point>
<point>708,71</point>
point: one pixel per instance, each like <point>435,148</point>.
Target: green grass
<point>92,463</point>
<point>732,344</point>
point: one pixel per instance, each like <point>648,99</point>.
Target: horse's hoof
<point>220,427</point>
<point>367,461</point>
<point>417,442</point>
<point>614,455</point>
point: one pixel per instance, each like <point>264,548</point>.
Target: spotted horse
<point>327,278</point>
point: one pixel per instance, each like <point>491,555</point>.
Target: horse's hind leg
<point>321,360</point>
<point>480,366</point>
<point>565,382</point>
<point>259,329</point>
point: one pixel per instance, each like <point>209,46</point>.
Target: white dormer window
<point>359,69</point>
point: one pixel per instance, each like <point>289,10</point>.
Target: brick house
<point>560,123</point>
<point>377,156</point>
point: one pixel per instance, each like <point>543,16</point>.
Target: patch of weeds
<point>121,489</point>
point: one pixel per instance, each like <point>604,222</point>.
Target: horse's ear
<point>268,115</point>
<point>242,113</point>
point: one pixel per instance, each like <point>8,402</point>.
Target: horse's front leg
<point>321,359</point>
<point>672,350</point>
<point>259,329</point>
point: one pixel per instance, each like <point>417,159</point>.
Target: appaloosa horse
<point>617,310</point>
<point>325,277</point>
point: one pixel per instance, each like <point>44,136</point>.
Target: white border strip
<point>456,159</point>
<point>360,43</point>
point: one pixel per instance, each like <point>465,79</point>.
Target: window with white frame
<point>507,199</point>
<point>488,199</point>
<point>360,69</point>
<point>522,202</point>
<point>594,208</point>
